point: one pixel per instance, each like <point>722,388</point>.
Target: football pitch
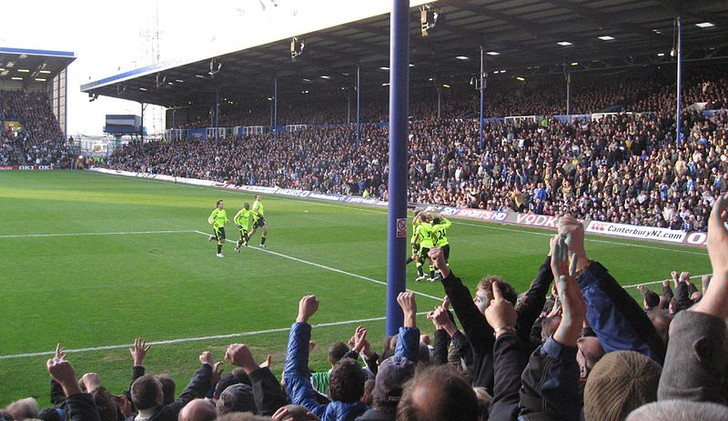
<point>93,261</point>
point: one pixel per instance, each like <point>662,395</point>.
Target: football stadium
<point>448,210</point>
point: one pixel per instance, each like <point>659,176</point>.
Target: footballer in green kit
<point>259,220</point>
<point>242,219</point>
<point>218,218</point>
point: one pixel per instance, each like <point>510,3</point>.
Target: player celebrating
<point>259,221</point>
<point>424,239</point>
<point>218,218</point>
<point>440,225</point>
<point>242,219</point>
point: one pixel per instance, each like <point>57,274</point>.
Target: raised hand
<point>267,361</point>
<point>139,351</point>
<point>442,320</point>
<point>685,277</point>
<point>240,355</point>
<point>62,371</point>
<point>306,308</point>
<point>360,338</point>
<point>89,382</point>
<point>437,256</point>
<point>206,358</point>
<point>60,353</point>
<point>718,236</point>
<point>216,372</point>
<point>559,257</point>
<point>406,301</point>
<point>715,299</point>
<point>573,308</point>
<point>500,314</point>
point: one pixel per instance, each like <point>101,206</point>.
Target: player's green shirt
<point>258,209</point>
<point>243,218</point>
<point>217,218</point>
<point>425,235</point>
<point>440,232</point>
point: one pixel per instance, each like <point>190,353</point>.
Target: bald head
<point>438,393</point>
<point>198,410</point>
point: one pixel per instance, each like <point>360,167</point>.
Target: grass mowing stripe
<point>353,275</point>
<point>86,234</point>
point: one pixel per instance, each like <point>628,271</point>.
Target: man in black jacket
<point>147,396</point>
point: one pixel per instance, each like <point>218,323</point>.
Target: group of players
<point>428,231</point>
<point>248,220</point>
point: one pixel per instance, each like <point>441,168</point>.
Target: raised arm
<point>509,357</point>
<point>266,388</point>
<point>617,319</point>
<point>295,370</point>
<point>408,344</point>
<point>475,327</point>
<point>551,379</point>
<point>695,363</point>
<point>80,406</point>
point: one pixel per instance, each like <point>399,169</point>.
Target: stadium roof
<point>523,37</point>
<point>32,66</point>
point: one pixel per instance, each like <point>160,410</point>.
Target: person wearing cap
<point>262,395</point>
<point>393,373</point>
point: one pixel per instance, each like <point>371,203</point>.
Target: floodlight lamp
<point>428,19</point>
<point>215,67</point>
<point>297,47</point>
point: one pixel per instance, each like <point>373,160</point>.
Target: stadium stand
<point>36,139</point>
<point>623,168</point>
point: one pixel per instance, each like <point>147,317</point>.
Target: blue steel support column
<point>482,99</point>
<point>141,129</point>
<point>678,119</point>
<point>398,112</point>
<point>275,109</point>
<point>358,106</point>
<point>217,115</point>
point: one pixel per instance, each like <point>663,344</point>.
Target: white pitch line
<point>88,234</point>
<point>193,339</point>
<point>320,266</point>
<point>659,282</point>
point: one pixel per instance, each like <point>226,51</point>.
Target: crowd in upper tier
<point>39,141</point>
<point>625,167</point>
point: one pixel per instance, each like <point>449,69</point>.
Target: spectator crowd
<point>39,139</point>
<point>574,346</point>
<point>625,167</point>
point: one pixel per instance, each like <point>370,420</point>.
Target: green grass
<point>103,290</point>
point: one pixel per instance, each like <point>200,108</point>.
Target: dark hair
<point>337,350</point>
<point>651,299</point>
<point>346,383</point>
<point>144,392</point>
<point>168,387</point>
<point>509,293</point>
<point>218,202</point>
<point>449,396</point>
<point>105,403</point>
<point>246,205</point>
<point>368,396</point>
